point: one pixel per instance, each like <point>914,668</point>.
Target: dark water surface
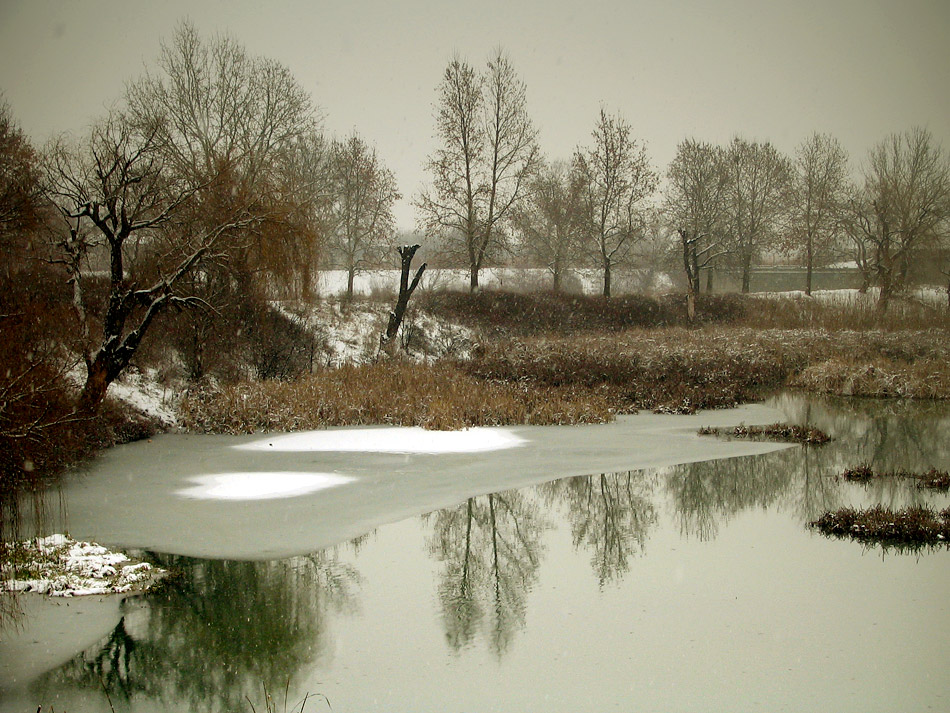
<point>688,587</point>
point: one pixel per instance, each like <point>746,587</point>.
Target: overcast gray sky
<point>777,71</point>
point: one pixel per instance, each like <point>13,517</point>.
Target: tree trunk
<point>810,262</point>
<point>406,253</point>
<point>473,278</point>
<point>350,275</point>
<point>746,274</point>
<point>97,383</point>
<point>607,279</point>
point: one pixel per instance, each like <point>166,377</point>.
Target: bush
<point>557,313</point>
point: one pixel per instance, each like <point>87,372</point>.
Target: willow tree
<point>243,125</point>
<point>195,176</point>
<point>487,154</point>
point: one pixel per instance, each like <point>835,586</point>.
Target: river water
<point>586,569</point>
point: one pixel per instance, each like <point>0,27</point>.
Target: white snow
<point>260,486</point>
<point>68,568</point>
<point>143,391</point>
<point>389,439</point>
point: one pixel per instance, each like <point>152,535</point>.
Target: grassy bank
<point>580,379</point>
<point>546,359</point>
<point>439,396</point>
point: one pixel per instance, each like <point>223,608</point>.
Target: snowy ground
<point>928,295</point>
<point>62,567</point>
<point>349,333</point>
<point>588,281</point>
<point>345,334</point>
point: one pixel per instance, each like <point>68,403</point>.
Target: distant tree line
<point>494,197</point>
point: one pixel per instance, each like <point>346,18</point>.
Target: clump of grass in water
<point>807,435</point>
<point>933,479</point>
<point>912,526</point>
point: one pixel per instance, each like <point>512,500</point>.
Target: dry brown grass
<point>439,396</point>
<point>578,379</point>
<point>545,359</point>
<point>909,527</point>
<point>682,369</point>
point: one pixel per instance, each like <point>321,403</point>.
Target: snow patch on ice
<point>386,439</point>
<point>260,486</point>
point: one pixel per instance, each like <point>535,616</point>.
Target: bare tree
<point>488,152</point>
<point>903,206</point>
<point>547,221</point>
<point>694,206</point>
<point>118,201</point>
<point>615,178</point>
<point>819,194</point>
<point>221,112</point>
<point>756,200</point>
<point>406,288</point>
<point>363,194</point>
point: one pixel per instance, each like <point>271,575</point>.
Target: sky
<point>776,71</point>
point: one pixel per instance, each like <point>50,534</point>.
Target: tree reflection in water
<point>490,549</point>
<point>611,516</point>
<point>218,632</point>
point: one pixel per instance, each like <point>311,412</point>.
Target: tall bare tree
<point>759,178</point>
<point>488,152</point>
<point>547,220</point>
<point>819,195</point>
<point>903,206</point>
<point>363,194</point>
<point>694,207</point>
<point>222,111</point>
<point>615,178</point>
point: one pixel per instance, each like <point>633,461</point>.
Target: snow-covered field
<point>928,295</point>
<point>589,281</point>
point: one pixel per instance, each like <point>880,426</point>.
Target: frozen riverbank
<point>264,497</point>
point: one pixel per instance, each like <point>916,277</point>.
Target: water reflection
<point>610,515</point>
<point>490,549</point>
<point>218,634</point>
<point>225,630</point>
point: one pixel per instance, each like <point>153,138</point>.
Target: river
<point>632,566</point>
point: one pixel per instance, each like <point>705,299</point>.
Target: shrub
<point>558,313</point>
<point>912,526</point>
